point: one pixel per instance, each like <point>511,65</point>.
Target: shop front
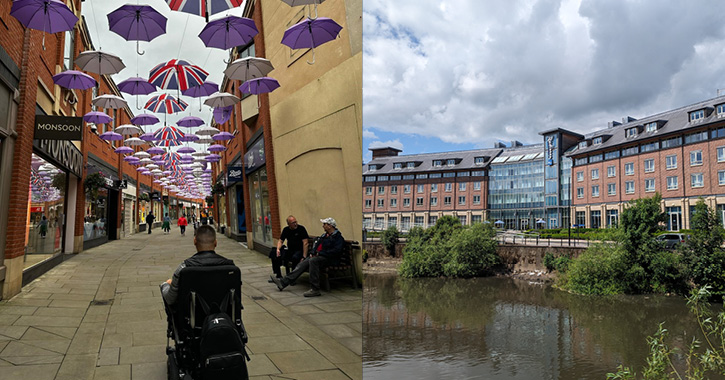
<point>237,228</point>
<point>259,208</point>
<point>103,203</point>
<point>128,208</point>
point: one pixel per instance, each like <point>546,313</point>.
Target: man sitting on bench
<point>205,242</point>
<point>326,251</point>
<point>296,237</point>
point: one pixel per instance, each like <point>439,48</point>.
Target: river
<point>501,328</point>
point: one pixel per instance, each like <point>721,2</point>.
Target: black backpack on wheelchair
<point>206,326</point>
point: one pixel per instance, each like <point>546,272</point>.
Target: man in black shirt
<point>296,237</point>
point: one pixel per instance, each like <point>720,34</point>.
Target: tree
<point>702,253</point>
<point>390,239</point>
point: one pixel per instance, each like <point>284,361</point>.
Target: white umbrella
<point>134,141</point>
<point>205,140</point>
<point>221,99</point>
<point>152,166</point>
<point>207,131</point>
<point>248,68</point>
<point>99,62</point>
<point>109,101</point>
<point>146,161</point>
<point>142,154</point>
<point>128,129</point>
<point>200,154</point>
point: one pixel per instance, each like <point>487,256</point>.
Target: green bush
<point>702,254</point>
<point>596,271</point>
<point>390,239</point>
<point>558,263</point>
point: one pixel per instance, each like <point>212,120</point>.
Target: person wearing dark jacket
<point>205,242</point>
<point>327,250</point>
<point>150,220</point>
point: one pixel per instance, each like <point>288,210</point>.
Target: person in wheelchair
<point>327,250</point>
<point>203,306</point>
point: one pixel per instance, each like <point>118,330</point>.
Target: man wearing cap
<point>327,250</point>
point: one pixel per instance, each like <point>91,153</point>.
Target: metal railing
<point>520,238</point>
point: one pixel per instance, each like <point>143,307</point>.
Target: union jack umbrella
<point>170,159</point>
<point>165,103</point>
<point>203,8</point>
<point>177,74</point>
<point>169,136</point>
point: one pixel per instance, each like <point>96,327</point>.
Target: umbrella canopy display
<point>190,121</point>
<point>189,137</point>
<point>74,79</point>
<point>177,74</point>
<point>50,16</point>
<point>136,86</point>
<point>295,3</point>
<point>142,154</point>
<point>216,148</point>
<point>134,141</point>
<point>207,131</point>
<point>203,8</point>
<point>109,101</point>
<point>221,99</point>
<point>96,117</point>
<point>128,129</point>
<point>155,150</point>
<point>248,68</point>
<point>259,86</point>
<point>99,62</point>
<point>168,133</point>
<point>124,150</point>
<point>165,103</point>
<point>186,149</point>
<point>111,136</point>
<point>148,137</point>
<point>228,32</point>
<point>222,136</point>
<point>222,114</point>
<point>144,119</point>
<point>311,33</point>
<point>205,89</point>
<point>137,23</point>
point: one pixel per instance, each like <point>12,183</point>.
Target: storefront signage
<point>36,209</point>
<point>235,174</point>
<point>63,153</point>
<point>550,149</point>
<point>155,196</point>
<point>120,184</point>
<point>58,128</point>
<point>254,158</point>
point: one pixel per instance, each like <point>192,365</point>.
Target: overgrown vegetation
<point>558,263</point>
<point>390,239</point>
<point>703,359</point>
<point>631,260</point>
<point>449,249</point>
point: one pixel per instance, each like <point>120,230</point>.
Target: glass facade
<point>516,193</point>
<point>46,216</point>
<point>261,213</point>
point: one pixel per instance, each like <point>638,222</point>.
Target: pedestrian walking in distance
<point>150,220</point>
<point>43,226</point>
<point>167,224</point>
<point>182,224</point>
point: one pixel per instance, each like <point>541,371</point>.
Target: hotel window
<point>449,175</point>
<point>721,177</point>
<point>420,188</point>
<point>381,190</point>
<point>611,155</point>
<point>649,185</point>
<point>437,163</point>
<point>370,178</point>
<point>450,162</point>
<point>68,48</point>
<point>650,147</point>
<point>411,165</point>
<point>580,161</point>
<point>478,173</point>
<point>368,203</point>
<point>595,173</point>
<point>394,189</point>
<point>612,189</point>
<point>476,199</point>
<point>434,201</point>
<point>408,177</point>
<point>583,144</point>
<point>596,141</point>
<point>672,183</point>
<point>595,191</point>
<point>464,174</point>
<point>398,165</point>
<point>381,203</point>
<point>477,186</point>
<point>372,168</point>
<point>382,178</point>
<point>579,176</point>
<point>432,220</point>
<point>671,143</point>
<point>649,165</point>
<point>369,190</point>
<point>695,157</point>
<point>695,137</point>
<point>696,180</point>
<point>394,202</point>
<point>629,187</point>
<point>476,219</point>
<point>720,110</point>
<point>449,187</point>
<point>631,132</point>
<point>611,171</point>
<point>406,202</point>
<point>580,192</point>
<point>392,221</point>
<point>671,162</point>
<point>462,201</point>
<point>395,178</point>
<point>629,168</point>
<point>447,201</point>
<point>478,160</point>
<point>434,175</point>
<point>406,189</point>
<point>717,133</point>
<point>433,187</point>
<point>595,158</point>
<point>631,151</point>
<point>462,219</point>
<point>421,176</point>
<point>419,201</point>
<point>721,154</point>
<point>462,186</point>
<point>697,116</point>
<point>650,127</point>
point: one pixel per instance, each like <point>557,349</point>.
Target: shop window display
<point>46,215</point>
<point>261,214</point>
<point>96,216</point>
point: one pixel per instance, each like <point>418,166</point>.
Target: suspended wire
<point>182,36</point>
<point>93,13</point>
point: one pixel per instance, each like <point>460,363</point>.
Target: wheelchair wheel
<point>172,368</point>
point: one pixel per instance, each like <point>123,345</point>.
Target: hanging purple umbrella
<point>221,136</point>
<point>74,79</point>
<point>204,8</point>
<point>228,32</point>
<point>124,150</point>
<point>223,114</point>
<point>165,103</point>
<point>130,158</point>
<point>144,119</point>
<point>136,86</point>
<point>96,117</point>
<point>155,150</point>
<point>259,86</point>
<point>111,136</point>
<point>148,137</point>
<point>50,16</point>
<point>190,121</point>
<point>137,23</point>
<point>205,89</point>
<point>189,137</point>
<point>186,149</point>
<point>216,148</point>
<point>311,33</point>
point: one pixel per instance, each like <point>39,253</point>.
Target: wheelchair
<point>202,291</point>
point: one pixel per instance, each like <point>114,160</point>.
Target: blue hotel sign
<point>550,149</point>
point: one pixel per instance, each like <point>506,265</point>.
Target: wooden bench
<point>343,270</point>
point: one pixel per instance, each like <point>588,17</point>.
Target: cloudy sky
<point>442,75</point>
<point>181,41</point>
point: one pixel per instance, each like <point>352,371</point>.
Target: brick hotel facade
<point>569,179</point>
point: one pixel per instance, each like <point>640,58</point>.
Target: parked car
<point>671,241</point>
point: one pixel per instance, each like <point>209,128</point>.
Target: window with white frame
<point>450,162</point>
<point>393,189</point>
<point>580,192</point>
<point>597,141</point>
<point>697,116</point>
<point>720,110</point>
<point>649,165</point>
<point>672,183</point>
<point>406,202</point>
<point>372,168</point>
<point>476,199</point>
<point>462,200</point>
<point>462,186</point>
<point>369,190</point>
<point>419,201</point>
<point>697,180</point>
<point>579,176</point>
<point>695,157</point>
<point>582,144</point>
<point>629,187</point>
<point>721,177</point>
<point>478,161</point>
<point>595,173</point>
<point>631,132</point>
<point>381,190</point>
<point>629,168</point>
<point>68,48</point>
<point>437,163</point>
<point>368,203</point>
<point>721,154</point>
<point>420,188</point>
<point>381,203</point>
<point>433,187</point>
<point>411,165</point>
<point>434,201</point>
<point>394,202</point>
<point>612,189</point>
<point>671,162</point>
<point>446,201</point>
<point>650,127</point>
<point>477,186</point>
<point>397,165</point>
<point>611,171</point>
<point>595,191</point>
<point>406,189</point>
<point>449,187</point>
<point>649,185</point>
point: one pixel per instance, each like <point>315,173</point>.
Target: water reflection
<point>501,328</point>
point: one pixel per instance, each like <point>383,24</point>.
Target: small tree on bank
<point>702,254</point>
<point>390,239</point>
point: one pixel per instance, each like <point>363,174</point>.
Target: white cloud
<point>384,144</point>
<point>368,134</point>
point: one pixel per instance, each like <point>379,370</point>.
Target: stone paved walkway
<point>99,315</point>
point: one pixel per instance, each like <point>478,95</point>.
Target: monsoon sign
<point>58,128</point>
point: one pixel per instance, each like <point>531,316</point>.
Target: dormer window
<point>631,132</point>
<point>596,141</point>
<point>410,165</point>
<point>582,144</point>
<point>697,116</point>
<point>437,163</point>
<point>450,162</point>
<point>372,168</point>
<point>478,160</point>
<point>721,110</point>
<point>650,127</point>
<point>398,165</point>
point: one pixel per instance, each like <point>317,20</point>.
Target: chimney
<point>385,152</point>
<point>613,124</point>
<point>628,119</point>
<point>499,144</point>
<point>515,143</point>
